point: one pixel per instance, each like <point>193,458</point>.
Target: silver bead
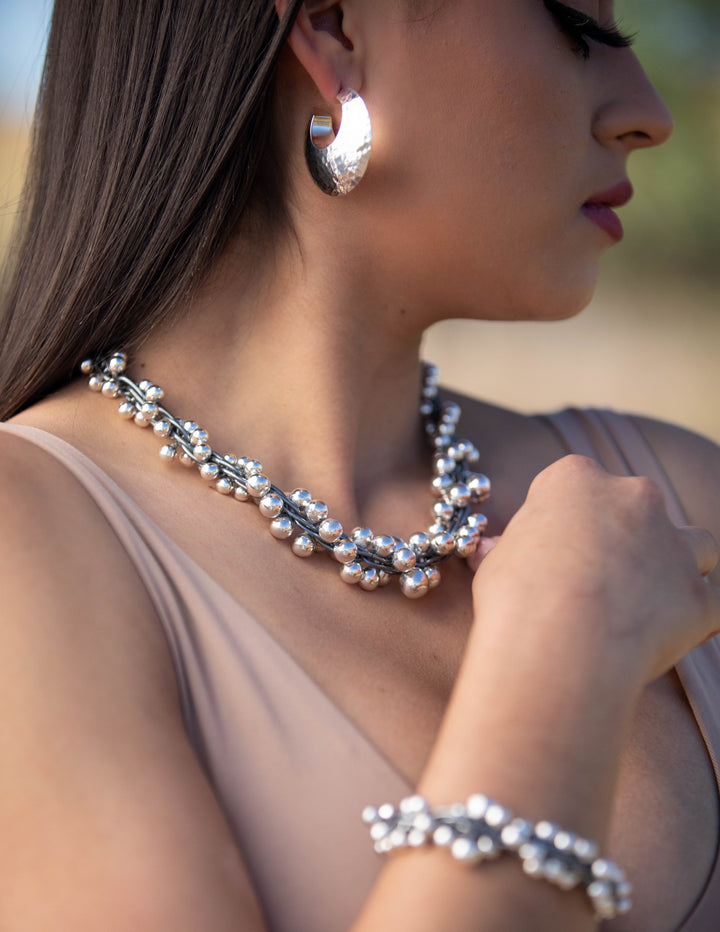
<point>224,485</point>
<point>384,578</point>
<point>414,584</point>
<point>465,849</point>
<point>432,373</point>
<point>329,531</point>
<point>270,505</point>
<point>110,388</point>
<point>345,551</point>
<point>564,841</point>
<point>253,468</point>
<point>154,394</point>
<point>446,430</point>
<point>477,805</point>
<point>451,412</point>
<point>442,443</point>
<point>240,494</point>
<point>303,546</point>
<point>168,451</point>
<point>189,426</point>
<point>351,573</point>
<point>404,559</point>
<point>546,831</point>
<point>420,542</point>
<point>370,579</point>
<point>117,363</point>
<point>301,498</point>
<point>363,537</point>
<point>459,495</point>
<point>444,512</point>
<point>230,459</point>
<point>517,833</point>
<point>86,366</point>
<point>426,409</point>
<point>127,409</point>
<point>144,385</point>
<point>585,851</point>
<point>202,452</point>
<point>443,544</point>
<point>141,420</point>
<point>369,815</point>
<point>479,487</point>
<point>441,485</point>
<point>95,383</point>
<point>444,465</point>
<point>281,527</point>
<point>433,576</point>
<point>383,545</point>
<point>199,437</point>
<point>149,411</point>
<point>497,816</point>
<point>162,428</point>
<point>413,804</point>
<point>210,471</point>
<point>186,459</point>
<point>603,869</point>
<point>477,521</point>
<point>316,511</point>
<point>257,485</point>
<point>430,392</point>
<point>488,847</point>
<point>465,545</point>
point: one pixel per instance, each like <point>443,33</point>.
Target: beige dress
<point>291,771</point>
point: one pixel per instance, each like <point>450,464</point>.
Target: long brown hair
<point>152,136</point>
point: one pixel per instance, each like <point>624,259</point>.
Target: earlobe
<point>320,42</point>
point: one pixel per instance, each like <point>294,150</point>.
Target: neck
<point>306,367</point>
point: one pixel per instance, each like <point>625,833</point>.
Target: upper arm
<point>692,464</point>
<point>106,819</point>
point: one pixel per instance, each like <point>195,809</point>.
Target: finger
<point>484,547</point>
<point>704,547</point>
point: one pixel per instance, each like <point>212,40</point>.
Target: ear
<point>322,41</point>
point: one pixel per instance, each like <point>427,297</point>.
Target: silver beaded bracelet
<point>482,829</point>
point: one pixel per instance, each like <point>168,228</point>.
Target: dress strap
<point>616,442</point>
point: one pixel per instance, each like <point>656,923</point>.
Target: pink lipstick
<point>598,208</point>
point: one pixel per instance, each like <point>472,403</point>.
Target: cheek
<point>481,156</point>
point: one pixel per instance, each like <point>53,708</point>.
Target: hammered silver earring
<point>339,167</point>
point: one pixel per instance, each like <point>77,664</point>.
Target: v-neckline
<point>142,522</point>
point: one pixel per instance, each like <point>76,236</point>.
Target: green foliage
<point>674,222</point>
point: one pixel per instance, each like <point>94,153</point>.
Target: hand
<point>594,554</point>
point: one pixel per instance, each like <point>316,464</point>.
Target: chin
<point>566,297</point>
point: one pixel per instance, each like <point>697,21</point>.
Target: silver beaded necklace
<point>367,559</point>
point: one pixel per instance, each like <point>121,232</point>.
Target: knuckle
<point>571,467</point>
<point>646,494</point>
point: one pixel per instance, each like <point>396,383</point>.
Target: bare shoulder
<point>692,463</point>
<point>106,818</point>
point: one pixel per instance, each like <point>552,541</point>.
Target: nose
<point>632,112</point>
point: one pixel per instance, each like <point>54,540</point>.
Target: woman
<point>194,717</point>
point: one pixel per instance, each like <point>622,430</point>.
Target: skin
<point>478,217</point>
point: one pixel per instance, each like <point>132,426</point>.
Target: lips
<point>599,209</point>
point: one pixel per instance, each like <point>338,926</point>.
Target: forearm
<point>543,739</point>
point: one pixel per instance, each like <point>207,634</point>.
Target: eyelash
<point>579,27</point>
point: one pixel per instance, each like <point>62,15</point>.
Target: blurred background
<point>650,342</point>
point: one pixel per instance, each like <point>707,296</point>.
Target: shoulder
<point>98,773</point>
<point>63,570</point>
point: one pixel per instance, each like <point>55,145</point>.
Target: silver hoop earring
<point>338,167</point>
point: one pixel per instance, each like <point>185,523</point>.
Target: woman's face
<point>491,135</point>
